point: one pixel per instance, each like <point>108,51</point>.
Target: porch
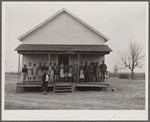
<point>63,86</point>
<point>69,54</point>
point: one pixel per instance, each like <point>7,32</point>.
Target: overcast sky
<point>121,22</point>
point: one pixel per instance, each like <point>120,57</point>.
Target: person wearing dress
<point>61,72</point>
<point>56,74</point>
<point>81,66</point>
<point>24,72</point>
<point>52,74</point>
<point>34,72</point>
<point>66,73</point>
<point>106,76</point>
<point>70,73</point>
<point>30,71</point>
<point>81,75</point>
<point>39,72</point>
<point>62,64</point>
<point>103,68</point>
<point>44,85</point>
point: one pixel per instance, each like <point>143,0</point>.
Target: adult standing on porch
<point>30,70</point>
<point>49,68</point>
<point>86,69</point>
<point>39,72</point>
<point>24,72</point>
<point>103,68</point>
<point>91,71</point>
<point>34,72</point>
<point>44,68</point>
<point>97,70</point>
<point>75,73</point>
<point>94,73</point>
<point>81,67</point>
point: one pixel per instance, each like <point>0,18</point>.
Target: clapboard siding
<point>63,29</point>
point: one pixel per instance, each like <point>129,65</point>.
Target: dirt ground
<point>128,95</point>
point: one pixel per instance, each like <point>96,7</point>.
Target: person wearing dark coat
<point>103,68</point>
<point>44,67</point>
<point>45,78</point>
<point>24,72</point>
<point>86,70</point>
<point>94,73</point>
<point>91,71</point>
<point>97,70</point>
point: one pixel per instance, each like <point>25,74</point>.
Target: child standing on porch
<point>61,74</point>
<point>66,73</point>
<point>81,75</point>
<point>70,73</point>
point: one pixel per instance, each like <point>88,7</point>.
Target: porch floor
<point>77,84</point>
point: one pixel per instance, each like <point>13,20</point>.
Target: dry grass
<point>128,95</point>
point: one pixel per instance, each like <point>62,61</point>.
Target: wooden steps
<point>59,87</point>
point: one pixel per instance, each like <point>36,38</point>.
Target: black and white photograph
<point>74,60</point>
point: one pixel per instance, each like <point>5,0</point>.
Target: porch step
<point>61,88</point>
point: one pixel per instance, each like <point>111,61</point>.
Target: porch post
<point>49,57</point>
<point>78,68</point>
<point>18,66</point>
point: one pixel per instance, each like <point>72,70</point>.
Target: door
<point>63,58</point>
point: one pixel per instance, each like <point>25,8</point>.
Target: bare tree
<point>132,58</point>
<point>116,68</point>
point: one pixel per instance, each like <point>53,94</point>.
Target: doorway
<point>63,58</point>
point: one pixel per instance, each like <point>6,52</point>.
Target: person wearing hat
<point>30,70</point>
<point>39,71</point>
<point>24,72</point>
<point>103,68</point>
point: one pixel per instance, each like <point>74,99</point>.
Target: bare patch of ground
<point>128,95</point>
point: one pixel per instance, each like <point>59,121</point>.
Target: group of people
<point>92,72</point>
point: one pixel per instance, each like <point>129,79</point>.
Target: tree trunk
<point>132,74</point>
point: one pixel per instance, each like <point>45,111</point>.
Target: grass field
<point>128,95</point>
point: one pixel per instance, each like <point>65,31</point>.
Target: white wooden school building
<point>62,38</point>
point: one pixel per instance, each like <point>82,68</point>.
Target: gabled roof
<point>63,10</point>
<point>57,48</point>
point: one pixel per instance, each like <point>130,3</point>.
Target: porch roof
<point>57,48</point>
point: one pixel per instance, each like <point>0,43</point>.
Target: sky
<point>121,22</point>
